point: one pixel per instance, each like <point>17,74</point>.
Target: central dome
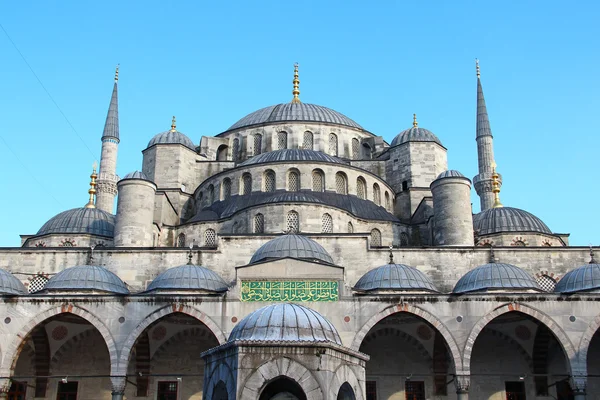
<point>293,155</point>
<point>297,112</point>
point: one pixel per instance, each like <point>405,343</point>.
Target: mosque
<point>297,256</point>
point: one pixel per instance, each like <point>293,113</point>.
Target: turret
<point>135,211</point>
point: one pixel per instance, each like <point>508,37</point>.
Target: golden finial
<point>117,74</point>
<point>496,187</point>
<point>477,67</point>
<point>173,124</point>
<point>296,81</point>
<point>391,260</point>
<point>415,123</point>
<point>92,190</point>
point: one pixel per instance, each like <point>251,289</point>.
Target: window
<point>371,391</point>
<point>350,227</point>
<point>361,188</point>
<point>326,223</point>
<point>333,144</point>
<point>282,140</point>
<point>388,203</point>
<point>404,185</point>
<point>210,238</point>
<point>403,239</point>
<point>269,181</point>
<point>307,143</point>
<point>226,188</point>
<point>167,391</point>
<point>293,222</point>
<point>318,181</point>
<point>211,194</point>
<point>259,223</point>
<point>376,194</point>
<point>257,143</point>
<point>515,390</point>
<point>67,391</point>
<point>375,238</point>
<point>17,390</point>
<point>546,282</point>
<point>37,283</point>
<point>235,152</point>
<point>181,240</point>
<point>414,390</point>
<point>518,243</point>
<point>246,184</point>
<point>293,181</point>
<point>341,184</point>
<point>355,149</point>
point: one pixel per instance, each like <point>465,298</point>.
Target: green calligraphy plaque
<point>282,291</point>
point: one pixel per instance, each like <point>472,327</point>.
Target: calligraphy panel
<point>295,291</point>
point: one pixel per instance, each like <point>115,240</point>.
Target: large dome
<point>507,219</point>
<point>583,279</point>
<point>188,277</point>
<point>294,112</point>
<point>81,220</point>
<point>293,246</point>
<point>415,134</point>
<point>293,155</point>
<point>10,284</point>
<point>285,322</point>
<point>86,278</point>
<point>395,277</point>
<point>495,276</point>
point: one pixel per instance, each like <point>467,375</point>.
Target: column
<point>578,384</point>
<point>462,383</point>
<point>118,387</point>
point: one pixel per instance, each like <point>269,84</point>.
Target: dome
<point>296,112</point>
<point>172,137</point>
<point>293,246</point>
<point>507,219</point>
<point>451,173</point>
<point>136,175</point>
<point>285,322</point>
<point>293,155</point>
<point>583,279</point>
<point>84,278</point>
<point>81,220</point>
<point>188,277</point>
<point>395,277</point>
<point>415,134</point>
<point>495,276</point>
<point>10,284</point>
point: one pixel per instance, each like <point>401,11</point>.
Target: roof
<point>394,277</point>
<point>172,137</point>
<point>451,173</point>
<point>91,221</point>
<point>294,112</point>
<point>483,121</point>
<point>415,134</point>
<point>293,155</point>
<point>285,322</point>
<point>188,277</point>
<point>10,285</point>
<point>136,175</point>
<point>495,276</point>
<point>293,246</point>
<point>360,208</point>
<point>111,126</point>
<point>84,278</point>
<point>584,278</point>
<point>507,219</point>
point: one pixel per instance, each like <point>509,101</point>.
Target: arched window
<point>257,143</point>
<point>210,238</point>
<point>236,149</point>
<point>246,184</point>
<point>222,152</point>
<point>270,181</point>
<point>361,188</point>
<point>307,143</point>
<point>333,144</point>
<point>350,227</point>
<point>388,203</point>
<point>259,223</point>
<point>318,181</point>
<point>403,239</point>
<point>326,223</point>
<point>375,238</point>
<point>226,188</point>
<point>355,149</point>
<point>211,194</point>
<point>293,181</point>
<point>376,194</point>
<point>281,140</point>
<point>341,183</point>
<point>181,240</point>
<point>292,222</point>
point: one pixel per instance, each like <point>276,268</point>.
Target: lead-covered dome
<point>285,322</point>
<point>507,219</point>
<point>82,221</point>
<point>172,137</point>
<point>136,175</point>
<point>188,277</point>
<point>415,134</point>
<point>395,277</point>
<point>292,246</point>
<point>10,285</point>
<point>451,173</point>
<point>86,278</point>
<point>583,279</point>
<point>293,155</point>
<point>296,112</point>
<point>496,276</point>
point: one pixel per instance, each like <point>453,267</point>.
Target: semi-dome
<point>507,219</point>
<point>294,112</point>
<point>496,276</point>
<point>583,279</point>
<point>10,285</point>
<point>136,175</point>
<point>82,221</point>
<point>415,134</point>
<point>451,173</point>
<point>293,155</point>
<point>293,246</point>
<point>395,277</point>
<point>172,137</point>
<point>188,277</point>
<point>285,322</point>
<point>86,278</point>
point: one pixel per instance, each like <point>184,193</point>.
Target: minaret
<point>107,176</point>
<point>485,151</point>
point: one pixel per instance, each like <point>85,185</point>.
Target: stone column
<point>118,387</point>
<point>578,384</point>
<point>4,387</point>
<point>462,383</point>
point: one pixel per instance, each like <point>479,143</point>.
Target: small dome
<point>507,219</point>
<point>285,322</point>
<point>81,220</point>
<point>451,173</point>
<point>86,278</point>
<point>583,279</point>
<point>188,277</point>
<point>495,276</point>
<point>415,134</point>
<point>293,155</point>
<point>395,277</point>
<point>294,112</point>
<point>172,137</point>
<point>293,246</point>
<point>10,285</point>
<point>136,175</point>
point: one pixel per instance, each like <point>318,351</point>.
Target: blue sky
<point>211,63</point>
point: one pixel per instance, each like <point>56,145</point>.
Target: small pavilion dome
<point>82,221</point>
<point>496,276</point>
<point>188,277</point>
<point>86,278</point>
<point>395,277</point>
<point>415,134</point>
<point>292,246</point>
<point>507,219</point>
<point>285,322</point>
<point>583,279</point>
<point>172,137</point>
<point>136,175</point>
<point>451,173</point>
<point>10,285</point>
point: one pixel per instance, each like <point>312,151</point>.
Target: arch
<point>326,223</point>
<point>333,144</point>
<point>318,180</point>
<point>293,181</point>
<point>181,240</point>
<point>308,141</point>
<point>226,189</point>
<point>584,346</point>
<point>257,144</point>
<point>222,373</point>
<point>344,375</point>
<point>453,349</point>
<point>269,181</point>
<point>292,222</point>
<point>235,151</point>
<point>557,331</point>
<point>350,227</point>
<point>259,223</point>
<point>375,237</point>
<point>341,183</point>
<point>273,369</point>
<point>376,194</point>
<point>222,151</point>
<point>125,356</point>
<point>282,140</point>
<point>361,188</point>
<point>355,149</point>
<point>246,184</point>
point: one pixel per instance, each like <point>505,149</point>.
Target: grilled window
<point>166,391</point>
<point>226,188</point>
<point>293,222</point>
<point>375,238</point>
<point>388,203</point>
<point>376,194</point>
<point>210,238</point>
<point>341,184</point>
<point>235,152</point>
<point>414,390</point>
<point>361,188</point>
<point>318,181</point>
<point>350,227</point>
<point>259,223</point>
<point>282,140</point>
<point>293,181</point>
<point>307,143</point>
<point>257,143</point>
<point>355,149</point>
<point>181,240</point>
<point>67,391</point>
<point>246,184</point>
<point>333,144</point>
<point>326,223</point>
<point>403,239</point>
<point>269,181</point>
<point>37,283</point>
<point>547,283</point>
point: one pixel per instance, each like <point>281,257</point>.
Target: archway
<point>593,364</point>
<point>220,392</point>
<point>346,392</point>
<point>222,152</point>
<point>282,388</point>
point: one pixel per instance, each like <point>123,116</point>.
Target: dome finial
<point>296,81</point>
<point>477,68</point>
<point>592,260</point>
<point>496,187</point>
<point>117,74</point>
<point>190,254</point>
<point>173,124</point>
<point>92,190</point>
<point>492,255</point>
<point>391,261</point>
<point>415,123</point>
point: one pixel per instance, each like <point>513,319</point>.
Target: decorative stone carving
<point>462,383</point>
<point>118,384</point>
<point>578,383</point>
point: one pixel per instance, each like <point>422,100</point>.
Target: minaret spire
<point>92,191</point>
<point>296,82</point>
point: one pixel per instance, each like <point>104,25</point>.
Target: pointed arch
<point>584,346</point>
